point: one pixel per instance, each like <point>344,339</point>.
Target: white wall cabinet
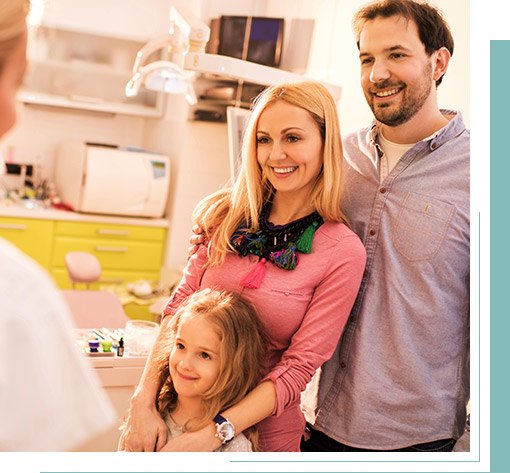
<point>81,59</point>
<point>84,71</point>
<point>135,20</point>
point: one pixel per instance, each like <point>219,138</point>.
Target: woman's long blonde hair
<point>12,26</point>
<point>242,349</point>
<point>221,213</point>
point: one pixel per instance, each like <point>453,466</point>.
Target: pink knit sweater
<point>304,312</point>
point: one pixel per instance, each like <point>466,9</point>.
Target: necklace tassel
<point>285,259</point>
<point>253,279</point>
<point>304,244</point>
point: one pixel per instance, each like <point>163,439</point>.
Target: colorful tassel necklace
<point>279,244</point>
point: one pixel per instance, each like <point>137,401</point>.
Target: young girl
<point>212,359</point>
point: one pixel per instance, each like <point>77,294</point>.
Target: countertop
<point>19,211</point>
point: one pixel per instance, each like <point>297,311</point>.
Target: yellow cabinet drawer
<point>110,231</point>
<point>32,236</point>
<point>139,312</point>
<point>112,254</point>
<point>107,277</point>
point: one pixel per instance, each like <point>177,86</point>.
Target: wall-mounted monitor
<point>251,38</point>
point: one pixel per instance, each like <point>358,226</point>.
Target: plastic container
<point>140,336</point>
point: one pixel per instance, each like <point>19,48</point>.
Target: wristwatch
<point>225,431</point>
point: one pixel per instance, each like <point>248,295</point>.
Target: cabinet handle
<point>112,249</point>
<point>103,231</point>
<point>12,226</point>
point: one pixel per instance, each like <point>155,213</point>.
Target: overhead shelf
<point>83,71</point>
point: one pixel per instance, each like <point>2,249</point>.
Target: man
<point>399,379</point>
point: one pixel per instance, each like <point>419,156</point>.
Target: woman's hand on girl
<point>145,430</point>
<point>196,239</point>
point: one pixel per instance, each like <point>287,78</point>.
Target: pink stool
<point>82,267</point>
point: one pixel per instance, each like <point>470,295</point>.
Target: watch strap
<point>219,419</point>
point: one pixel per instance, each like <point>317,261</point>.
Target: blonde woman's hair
<point>12,26</point>
<point>221,213</point>
<point>242,348</point>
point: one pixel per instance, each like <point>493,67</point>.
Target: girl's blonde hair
<point>242,348</point>
<point>12,26</point>
<point>221,213</point>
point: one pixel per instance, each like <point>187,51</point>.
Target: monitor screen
<point>265,43</point>
<point>232,32</point>
<point>255,39</point>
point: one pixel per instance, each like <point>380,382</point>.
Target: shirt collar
<point>454,128</point>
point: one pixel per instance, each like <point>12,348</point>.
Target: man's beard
<point>410,104</point>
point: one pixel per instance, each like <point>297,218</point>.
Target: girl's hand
<point>145,430</point>
<point>202,440</point>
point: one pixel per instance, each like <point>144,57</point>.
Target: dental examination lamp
<point>185,44</point>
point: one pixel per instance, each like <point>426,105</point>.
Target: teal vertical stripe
<point>500,261</point>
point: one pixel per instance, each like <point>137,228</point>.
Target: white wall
<point>216,8</point>
<point>136,19</point>
<point>454,91</point>
<point>39,131</point>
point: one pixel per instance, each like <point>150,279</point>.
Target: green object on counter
<point>106,345</point>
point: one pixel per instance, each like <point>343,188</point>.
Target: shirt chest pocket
<point>421,226</point>
<point>298,295</point>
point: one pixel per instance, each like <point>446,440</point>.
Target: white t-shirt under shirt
<point>50,399</point>
<point>393,152</point>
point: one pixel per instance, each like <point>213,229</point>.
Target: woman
<point>280,239</point>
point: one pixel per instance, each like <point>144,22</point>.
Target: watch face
<point>226,430</point>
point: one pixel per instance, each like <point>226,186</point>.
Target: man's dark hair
<point>433,29</point>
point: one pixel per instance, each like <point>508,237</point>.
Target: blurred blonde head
<point>224,211</point>
<point>13,61</point>
<point>12,26</point>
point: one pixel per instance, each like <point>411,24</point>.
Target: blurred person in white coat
<point>50,399</point>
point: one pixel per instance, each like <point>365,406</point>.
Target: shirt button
<point>286,293</point>
<point>371,232</point>
<point>342,365</point>
<point>382,190</point>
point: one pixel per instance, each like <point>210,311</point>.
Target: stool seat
<point>82,267</point>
